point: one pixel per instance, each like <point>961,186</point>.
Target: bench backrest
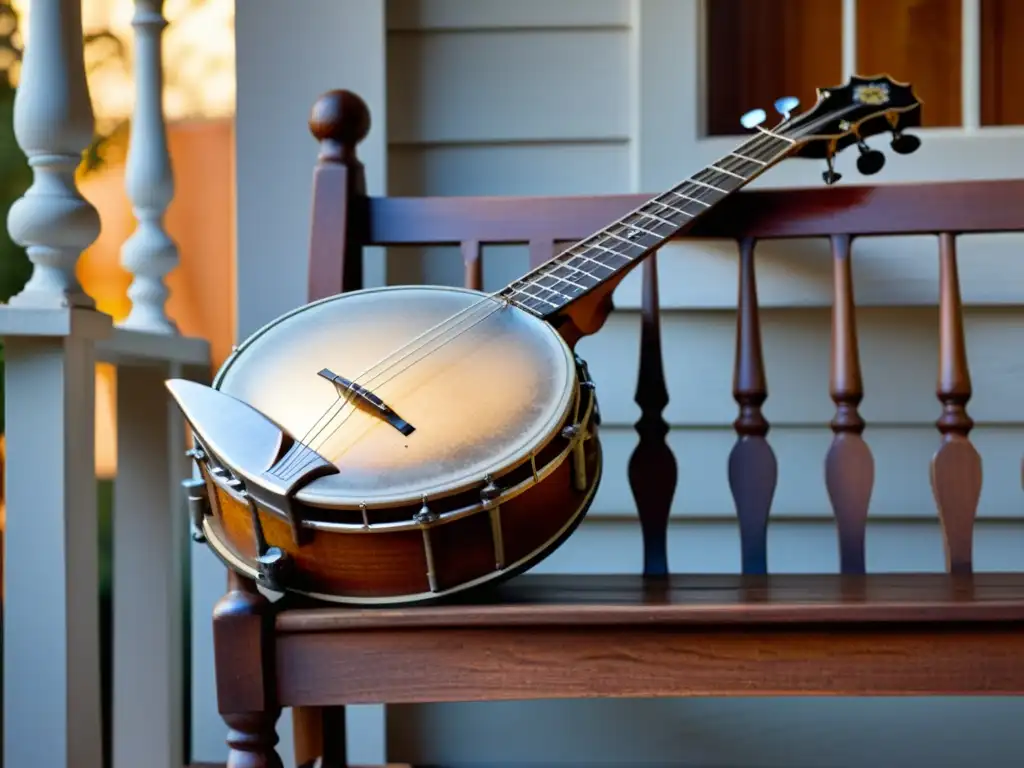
<point>345,220</point>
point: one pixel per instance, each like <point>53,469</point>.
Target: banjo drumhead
<point>482,392</point>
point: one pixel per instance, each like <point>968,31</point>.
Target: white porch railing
<point>53,338</point>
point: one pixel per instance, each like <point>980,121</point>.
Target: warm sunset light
<point>199,57</point>
<point>199,86</point>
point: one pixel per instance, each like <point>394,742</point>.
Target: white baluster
<point>53,124</point>
<point>150,253</point>
<point>51,620</point>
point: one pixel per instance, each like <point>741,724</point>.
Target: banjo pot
<point>393,445</point>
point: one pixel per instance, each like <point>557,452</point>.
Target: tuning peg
<point>830,176</point>
<point>786,105</point>
<point>753,118</point>
<point>904,143</point>
<point>870,160</point>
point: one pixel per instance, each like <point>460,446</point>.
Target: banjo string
<point>306,456</point>
<point>290,469</point>
<point>284,471</point>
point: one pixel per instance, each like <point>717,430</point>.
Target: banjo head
<point>483,385</point>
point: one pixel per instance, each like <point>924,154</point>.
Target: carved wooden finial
<point>339,121</point>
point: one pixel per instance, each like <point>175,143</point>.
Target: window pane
<point>1002,63</point>
<point>759,50</point>
<point>916,41</point>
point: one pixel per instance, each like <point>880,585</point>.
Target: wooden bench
<point>653,634</point>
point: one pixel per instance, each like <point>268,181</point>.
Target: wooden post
<point>150,524</point>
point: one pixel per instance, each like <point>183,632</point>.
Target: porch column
<point>51,623</point>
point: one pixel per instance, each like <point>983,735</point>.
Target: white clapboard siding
<point>899,357</point>
<point>479,15</point>
<point>902,487</point>
<point>513,169</point>
<point>794,546</point>
<point>537,85</point>
<point>496,98</point>
<point>797,272</point>
<point>684,733</point>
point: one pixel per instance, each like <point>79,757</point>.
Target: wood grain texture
<point>521,664</point>
<point>916,41</point>
<point>849,465</point>
<point>572,637</point>
<point>339,121</point>
<point>968,206</point>
<point>956,465</point>
<point>690,600</point>
<point>758,50</point>
<point>1002,64</point>
<point>246,692</point>
<point>753,469</point>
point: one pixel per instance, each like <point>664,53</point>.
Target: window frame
<point>670,39</point>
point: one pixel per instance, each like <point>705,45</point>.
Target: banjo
<point>403,444</point>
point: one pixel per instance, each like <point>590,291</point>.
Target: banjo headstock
<point>845,116</point>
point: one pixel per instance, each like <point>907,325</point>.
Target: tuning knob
<point>870,161</point>
<point>904,143</point>
<point>830,176</point>
<point>753,118</point>
<point>786,105</point>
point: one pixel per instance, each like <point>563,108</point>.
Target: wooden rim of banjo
<point>212,535</point>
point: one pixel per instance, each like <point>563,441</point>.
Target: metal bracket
<point>198,495</point>
<point>273,562</point>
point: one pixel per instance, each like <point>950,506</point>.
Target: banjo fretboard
<point>590,262</point>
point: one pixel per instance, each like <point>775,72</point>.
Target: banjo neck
<point>607,253</point>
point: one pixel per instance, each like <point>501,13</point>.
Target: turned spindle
<point>849,465</point>
<point>53,125</point>
<point>753,469</point>
<point>243,655</point>
<point>473,265</point>
<point>340,120</point>
<point>652,467</point>
<point>150,253</point>
<point>956,465</point>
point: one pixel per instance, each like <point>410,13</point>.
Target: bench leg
<point>319,734</point>
<point>243,647</point>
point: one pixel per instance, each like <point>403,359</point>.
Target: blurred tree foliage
<point>15,175</point>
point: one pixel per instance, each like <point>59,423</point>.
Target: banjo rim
<point>525,451</point>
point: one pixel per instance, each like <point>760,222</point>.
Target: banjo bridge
<point>368,401</point>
